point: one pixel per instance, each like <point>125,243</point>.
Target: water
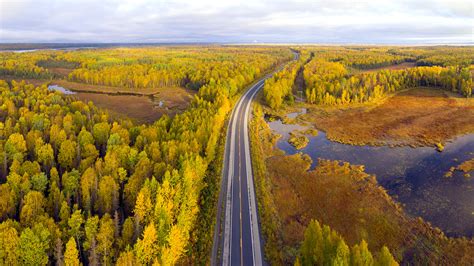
<point>60,89</point>
<point>413,176</point>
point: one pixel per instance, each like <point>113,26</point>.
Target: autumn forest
<point>85,185</point>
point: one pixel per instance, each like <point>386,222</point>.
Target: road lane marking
<point>227,250</point>
<point>255,238</point>
<point>240,189</point>
<point>254,226</point>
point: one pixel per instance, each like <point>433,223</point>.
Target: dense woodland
<point>79,186</point>
<point>330,79</point>
<point>324,246</point>
<point>278,88</point>
<point>134,68</point>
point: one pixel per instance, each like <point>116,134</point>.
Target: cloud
<point>358,21</point>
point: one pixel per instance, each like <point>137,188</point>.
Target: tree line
<point>278,88</point>
<point>361,57</point>
<point>328,82</point>
<point>329,79</point>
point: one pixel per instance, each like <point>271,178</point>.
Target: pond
<point>60,89</point>
<point>412,176</point>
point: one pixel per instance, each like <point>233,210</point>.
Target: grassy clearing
<point>82,87</point>
<point>174,99</point>
<point>418,117</point>
<point>140,108</point>
<point>403,65</point>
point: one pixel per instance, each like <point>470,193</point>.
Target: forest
<point>330,79</point>
<point>145,68</point>
<point>278,88</point>
<point>80,186</point>
<point>324,246</point>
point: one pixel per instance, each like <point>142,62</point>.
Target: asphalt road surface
<point>237,240</point>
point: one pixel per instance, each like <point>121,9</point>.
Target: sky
<point>238,21</point>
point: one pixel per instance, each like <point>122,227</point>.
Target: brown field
<point>140,108</point>
<point>344,197</point>
<point>144,108</point>
<point>400,66</point>
<point>415,117</point>
<point>63,72</point>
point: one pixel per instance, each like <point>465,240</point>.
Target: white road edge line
<point>227,251</point>
<point>254,226</point>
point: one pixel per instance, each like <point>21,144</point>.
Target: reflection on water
<point>413,176</point>
<point>60,89</point>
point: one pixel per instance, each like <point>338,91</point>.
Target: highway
<point>237,238</point>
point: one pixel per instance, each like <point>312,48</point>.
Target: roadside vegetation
<point>78,185</point>
<point>278,88</point>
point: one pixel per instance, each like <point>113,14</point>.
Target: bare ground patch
<point>400,66</point>
<point>60,71</point>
